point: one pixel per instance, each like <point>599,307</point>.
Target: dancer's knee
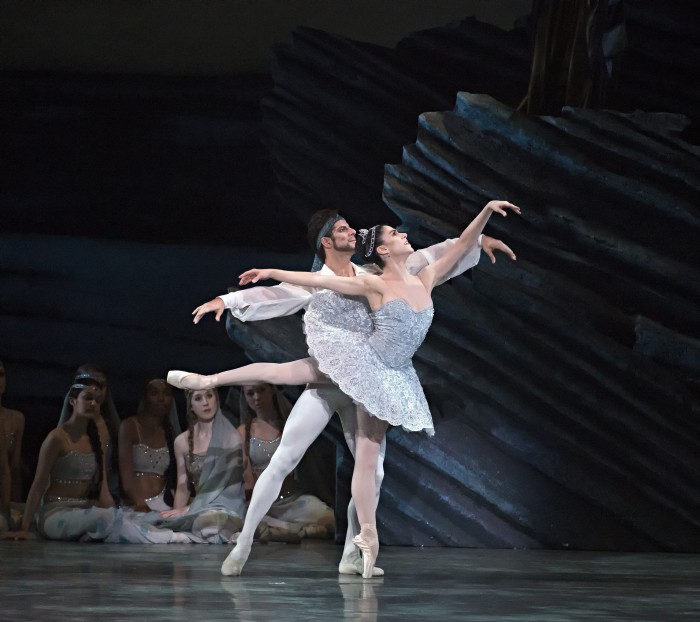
<point>284,462</point>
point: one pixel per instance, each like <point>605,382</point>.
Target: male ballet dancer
<point>333,241</point>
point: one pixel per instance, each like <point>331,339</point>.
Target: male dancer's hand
<point>216,305</point>
<point>254,275</point>
<point>489,245</point>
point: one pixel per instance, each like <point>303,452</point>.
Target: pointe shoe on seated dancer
<point>368,543</point>
<point>190,380</point>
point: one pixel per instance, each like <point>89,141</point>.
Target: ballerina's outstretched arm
<point>360,285</point>
<point>301,371</point>
<point>434,273</point>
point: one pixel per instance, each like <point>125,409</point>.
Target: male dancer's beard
<point>348,247</point>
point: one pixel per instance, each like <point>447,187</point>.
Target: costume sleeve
<point>264,303</point>
<point>418,260</point>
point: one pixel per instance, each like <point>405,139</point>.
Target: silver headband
<point>369,248</point>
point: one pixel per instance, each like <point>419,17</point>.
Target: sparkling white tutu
<point>368,354</point>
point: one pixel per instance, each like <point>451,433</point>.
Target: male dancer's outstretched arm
<point>264,303</point>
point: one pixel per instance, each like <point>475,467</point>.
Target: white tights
<point>365,436</point>
<point>309,416</point>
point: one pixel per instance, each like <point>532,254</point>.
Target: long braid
<point>171,471</point>
<point>113,437</point>
<point>96,444</point>
<point>191,420</point>
<point>248,425</point>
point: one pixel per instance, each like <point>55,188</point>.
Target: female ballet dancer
<point>372,366</point>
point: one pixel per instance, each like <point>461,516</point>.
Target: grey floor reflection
<point>49,581</point>
<point>360,597</point>
<point>242,604</point>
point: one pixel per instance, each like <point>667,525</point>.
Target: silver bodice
<point>149,460</point>
<point>75,467</point>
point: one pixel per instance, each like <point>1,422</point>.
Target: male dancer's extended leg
<point>350,562</point>
<point>306,421</point>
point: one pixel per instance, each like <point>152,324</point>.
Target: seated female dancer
<point>107,424</point>
<point>12,431</point>
<point>5,487</point>
<point>263,413</point>
<point>209,500</point>
<point>374,369</point>
<point>70,488</point>
<point>146,454</point>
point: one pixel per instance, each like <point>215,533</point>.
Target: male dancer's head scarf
<point>323,233</point>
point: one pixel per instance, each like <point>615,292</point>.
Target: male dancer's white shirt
<point>264,303</point>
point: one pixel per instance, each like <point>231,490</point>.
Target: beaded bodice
<point>74,467</point>
<point>260,452</point>
<point>150,460</point>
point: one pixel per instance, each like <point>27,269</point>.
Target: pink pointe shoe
<point>368,543</point>
<point>189,380</point>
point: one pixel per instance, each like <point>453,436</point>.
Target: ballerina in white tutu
<point>367,354</point>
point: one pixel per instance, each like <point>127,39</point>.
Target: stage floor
<point>66,581</point>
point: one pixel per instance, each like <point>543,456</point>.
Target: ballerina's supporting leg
<point>368,442</point>
<point>301,371</point>
<point>351,560</point>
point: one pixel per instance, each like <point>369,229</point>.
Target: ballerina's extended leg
<point>302,371</point>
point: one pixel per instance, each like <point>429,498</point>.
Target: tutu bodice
<point>368,354</point>
<point>398,331</point>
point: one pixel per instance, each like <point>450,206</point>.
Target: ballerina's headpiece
<point>323,233</point>
<point>369,247</point>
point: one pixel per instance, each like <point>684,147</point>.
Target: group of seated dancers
<point>363,323</point>
<point>143,480</point>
